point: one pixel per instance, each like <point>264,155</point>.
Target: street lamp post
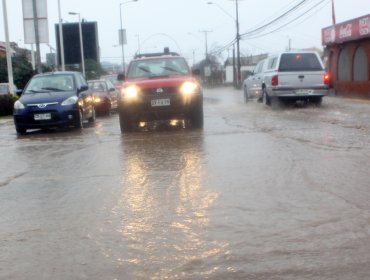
<point>8,55</point>
<point>81,42</point>
<point>122,39</point>
<point>61,43</point>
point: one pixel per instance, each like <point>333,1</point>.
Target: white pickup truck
<point>292,76</point>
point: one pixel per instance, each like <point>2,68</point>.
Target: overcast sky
<point>154,24</point>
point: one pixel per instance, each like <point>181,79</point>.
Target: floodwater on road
<point>257,194</point>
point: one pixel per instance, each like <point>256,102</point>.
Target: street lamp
<point>81,42</point>
<point>122,34</point>
<point>238,72</point>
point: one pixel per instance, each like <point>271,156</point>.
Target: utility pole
<point>238,83</point>
<point>206,40</point>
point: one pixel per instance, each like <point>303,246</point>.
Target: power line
<point>289,22</point>
<point>276,19</point>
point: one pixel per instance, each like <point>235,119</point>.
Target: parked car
<point>252,85</point>
<point>54,99</point>
<point>160,86</point>
<point>5,89</point>
<point>105,96</point>
<point>293,76</point>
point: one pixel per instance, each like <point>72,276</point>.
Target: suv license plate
<point>40,117</point>
<point>160,102</point>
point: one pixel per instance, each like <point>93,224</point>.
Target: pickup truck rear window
<point>299,62</point>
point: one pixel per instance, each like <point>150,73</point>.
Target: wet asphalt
<point>257,194</point>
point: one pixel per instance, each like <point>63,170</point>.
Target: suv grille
<point>159,91</point>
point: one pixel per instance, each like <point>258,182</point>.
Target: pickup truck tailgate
<point>301,79</point>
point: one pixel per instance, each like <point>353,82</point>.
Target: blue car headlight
<point>70,101</point>
<point>18,105</point>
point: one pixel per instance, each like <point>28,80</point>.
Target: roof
<point>247,60</point>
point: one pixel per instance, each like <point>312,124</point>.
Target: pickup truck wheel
<point>316,100</point>
<point>265,98</point>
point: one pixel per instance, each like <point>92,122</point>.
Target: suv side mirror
<point>196,72</point>
<point>121,77</point>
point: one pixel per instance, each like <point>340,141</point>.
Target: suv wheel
<point>196,117</point>
<point>124,123</point>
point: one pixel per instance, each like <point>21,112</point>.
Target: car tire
<point>197,118</point>
<point>93,116</point>
<point>246,95</point>
<point>124,123</point>
<point>108,111</point>
<point>79,120</point>
<point>20,130</point>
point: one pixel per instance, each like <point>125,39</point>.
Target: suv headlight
<point>70,101</point>
<point>18,105</point>
<point>130,92</point>
<point>188,88</point>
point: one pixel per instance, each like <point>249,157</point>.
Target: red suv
<point>159,86</point>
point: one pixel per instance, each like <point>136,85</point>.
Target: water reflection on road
<point>164,204</point>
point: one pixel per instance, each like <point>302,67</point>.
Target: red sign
<point>347,31</point>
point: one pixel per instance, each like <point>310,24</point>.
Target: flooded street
<point>258,194</point>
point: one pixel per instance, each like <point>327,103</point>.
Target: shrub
<point>7,104</point>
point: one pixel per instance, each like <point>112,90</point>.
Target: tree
<point>93,69</point>
<point>22,70</point>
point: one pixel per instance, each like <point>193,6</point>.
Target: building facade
<point>347,56</point>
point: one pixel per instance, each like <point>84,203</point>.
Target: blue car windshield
<point>158,67</point>
<point>50,83</point>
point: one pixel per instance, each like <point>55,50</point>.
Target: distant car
<point>54,99</point>
<point>159,86</point>
<point>5,89</point>
<point>113,78</point>
<point>293,76</point>
<point>105,95</point>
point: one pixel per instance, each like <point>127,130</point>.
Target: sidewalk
<point>4,120</point>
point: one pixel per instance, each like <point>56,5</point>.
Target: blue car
<point>57,99</point>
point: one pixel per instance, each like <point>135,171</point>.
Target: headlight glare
<point>189,88</point>
<point>70,101</point>
<point>130,92</point>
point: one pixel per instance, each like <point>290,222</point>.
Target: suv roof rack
<point>166,51</point>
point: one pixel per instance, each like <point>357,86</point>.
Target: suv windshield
<point>158,67</point>
<point>299,62</point>
<point>50,83</point>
